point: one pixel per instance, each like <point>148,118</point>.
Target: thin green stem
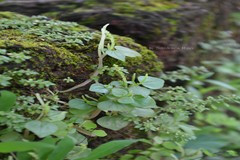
<point>101,55</point>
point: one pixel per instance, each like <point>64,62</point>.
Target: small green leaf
<point>127,51</point>
<point>108,148</point>
<point>98,88</point>
<point>79,104</point>
<point>41,129</point>
<point>116,54</point>
<point>144,102</point>
<point>99,133</point>
<point>89,125</point>
<point>126,100</point>
<point>112,122</point>
<point>56,115</point>
<point>142,112</point>
<point>118,92</point>
<point>151,82</point>
<point>113,106</point>
<point>137,90</point>
<point>7,100</point>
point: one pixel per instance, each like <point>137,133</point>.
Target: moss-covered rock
<point>171,28</point>
<point>64,49</point>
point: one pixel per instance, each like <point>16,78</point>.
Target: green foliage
<point>40,83</point>
<point>223,122</point>
<point>236,18</point>
<point>13,121</point>
<point>28,116</point>
<point>20,76</point>
<point>170,119</point>
<point>225,45</point>
<point>48,30</point>
<point>52,149</point>
<point>119,99</point>
<point>151,82</point>
<point>214,120</point>
<point>108,148</point>
<point>112,122</point>
<point>164,148</point>
<point>177,122</point>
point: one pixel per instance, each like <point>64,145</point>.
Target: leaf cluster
<point>48,30</point>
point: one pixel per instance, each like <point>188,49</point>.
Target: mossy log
<point>64,49</point>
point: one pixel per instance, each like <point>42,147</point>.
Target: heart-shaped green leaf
<point>41,129</point>
<point>151,82</point>
<point>98,88</point>
<point>56,115</point>
<point>126,100</point>
<point>89,125</point>
<point>116,54</point>
<point>79,104</point>
<point>143,112</point>
<point>112,122</point>
<point>144,102</point>
<point>137,90</point>
<point>127,51</point>
<point>99,133</point>
<point>119,92</point>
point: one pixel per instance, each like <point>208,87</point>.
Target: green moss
<point>131,6</point>
<point>56,58</point>
<point>154,5</point>
<point>10,15</point>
